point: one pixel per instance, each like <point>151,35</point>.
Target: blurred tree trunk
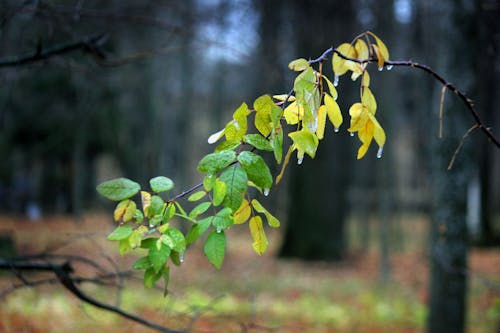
<point>318,205</point>
<point>487,89</point>
<point>449,238</point>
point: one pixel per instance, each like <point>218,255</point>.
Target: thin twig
<point>460,145</point>
<point>441,103</point>
<point>88,42</point>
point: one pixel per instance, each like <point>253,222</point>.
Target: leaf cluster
<point>237,164</point>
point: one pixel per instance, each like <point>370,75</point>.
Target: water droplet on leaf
<point>389,67</point>
<point>336,80</point>
<point>266,192</point>
<point>300,160</point>
<point>219,230</point>
<point>381,68</point>
<point>151,225</point>
<point>181,257</point>
<point>379,152</point>
<point>336,129</point>
<point>351,134</point>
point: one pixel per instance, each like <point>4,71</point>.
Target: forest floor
<point>249,293</point>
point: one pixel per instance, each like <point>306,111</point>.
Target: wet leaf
<point>243,213</point>
<point>305,141</point>
<point>118,189</point>
<point>122,232</point>
<point>219,192</point>
<point>257,170</point>
<point>215,248</point>
<point>214,162</point>
<point>298,65</point>
<point>258,141</point>
<point>259,237</point>
<point>161,184</point>
<point>197,196</point>
<point>236,185</point>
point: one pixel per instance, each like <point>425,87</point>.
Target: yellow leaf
<point>293,113</point>
<point>380,57</point>
<point>146,201</point>
<point>362,150</point>
<point>320,131</point>
<point>129,212</point>
<point>305,141</point>
<point>368,100</point>
<point>120,209</point>
<point>271,220</point>
<point>333,110</point>
<point>381,47</point>
<point>365,135</point>
<point>298,65</point>
<point>365,81</point>
<point>243,213</point>
<point>283,97</point>
<point>338,63</point>
<point>359,117</point>
<point>378,132</point>
<point>258,235</point>
<point>362,51</point>
<point>331,87</point>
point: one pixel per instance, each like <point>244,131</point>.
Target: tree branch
<point>467,101</point>
<point>89,42</point>
<point>63,273</point>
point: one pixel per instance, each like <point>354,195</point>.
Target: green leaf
<point>155,220</point>
<point>161,184</point>
<point>197,196</point>
<point>298,65</point>
<point>209,182</point>
<point>199,209</point>
<point>178,238</point>
<point>177,258</point>
<point>258,141</point>
<point>215,248</point>
<point>142,263</point>
<point>256,169</point>
<point>236,185</point>
<point>198,229</point>
<point>122,232</point>
<point>138,216</point>
<point>124,246</point>
<point>158,255</point>
<point>169,212</point>
<point>219,192</point>
<point>227,145</point>
<point>214,162</point>
<point>118,189</point>
<point>277,144</point>
<point>305,141</point>
<point>156,206</point>
<point>151,276</point>
<point>223,219</point>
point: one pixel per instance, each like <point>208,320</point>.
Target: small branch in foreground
<point>90,42</point>
<point>63,273</point>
